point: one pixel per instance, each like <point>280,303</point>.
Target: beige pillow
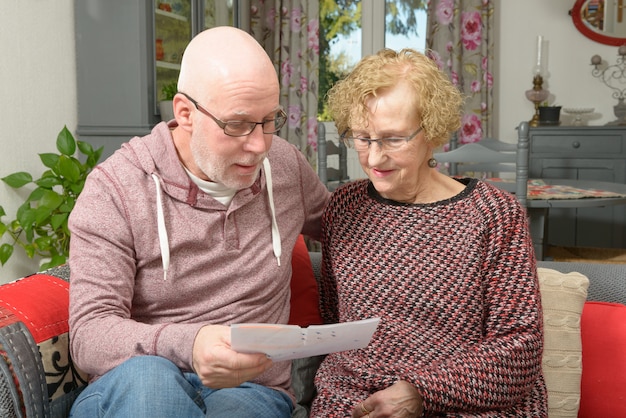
<point>563,297</point>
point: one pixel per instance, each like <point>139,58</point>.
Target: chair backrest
<point>331,176</point>
<point>493,156</point>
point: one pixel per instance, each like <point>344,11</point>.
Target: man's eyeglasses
<point>243,127</point>
<point>388,144</point>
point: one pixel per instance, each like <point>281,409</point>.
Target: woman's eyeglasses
<point>361,144</point>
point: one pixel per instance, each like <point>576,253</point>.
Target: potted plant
<point>40,224</point>
<point>168,92</point>
<point>549,114</point>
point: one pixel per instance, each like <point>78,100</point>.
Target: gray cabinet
<point>125,52</point>
<point>582,153</point>
<point>114,59</point>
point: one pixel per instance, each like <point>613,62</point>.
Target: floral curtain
<point>289,32</point>
<point>460,39</point>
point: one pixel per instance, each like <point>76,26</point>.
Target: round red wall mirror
<point>600,20</point>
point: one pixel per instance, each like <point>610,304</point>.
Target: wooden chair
<point>493,156</point>
<point>331,176</point>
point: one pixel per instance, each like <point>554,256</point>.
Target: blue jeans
<point>148,386</point>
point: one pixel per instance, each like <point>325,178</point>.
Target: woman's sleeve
<point>502,368</point>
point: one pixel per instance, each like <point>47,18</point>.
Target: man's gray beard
<point>216,172</point>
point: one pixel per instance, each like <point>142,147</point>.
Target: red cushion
<point>603,385</point>
<point>40,301</point>
<point>304,294</point>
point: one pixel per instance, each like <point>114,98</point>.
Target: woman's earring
<point>432,163</point>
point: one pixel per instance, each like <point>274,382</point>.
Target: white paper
<point>287,342</point>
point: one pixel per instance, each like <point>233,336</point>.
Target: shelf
<point>170,15</point>
<point>168,65</point>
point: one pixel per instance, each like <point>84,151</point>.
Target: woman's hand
<point>400,400</point>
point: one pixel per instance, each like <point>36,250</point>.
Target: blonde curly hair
<point>437,102</point>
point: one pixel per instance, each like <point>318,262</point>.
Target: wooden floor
<point>588,255</point>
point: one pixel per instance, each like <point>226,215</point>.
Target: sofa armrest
<point>23,382</point>
<point>38,377</point>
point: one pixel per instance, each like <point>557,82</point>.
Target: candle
<point>538,68</point>
<point>539,51</point>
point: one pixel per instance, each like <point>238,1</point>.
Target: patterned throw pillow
<point>563,297</point>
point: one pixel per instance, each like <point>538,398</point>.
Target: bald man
<point>185,231</point>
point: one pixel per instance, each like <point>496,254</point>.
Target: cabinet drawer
<point>575,145</point>
<point>595,169</point>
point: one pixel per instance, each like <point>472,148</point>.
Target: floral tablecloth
<point>538,189</point>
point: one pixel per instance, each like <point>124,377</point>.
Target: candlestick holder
<point>614,77</point>
<point>537,95</point>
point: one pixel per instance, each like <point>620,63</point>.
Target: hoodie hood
<point>158,159</point>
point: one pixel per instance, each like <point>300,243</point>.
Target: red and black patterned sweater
<point>455,285</point>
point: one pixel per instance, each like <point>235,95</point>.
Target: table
<point>538,209</point>
<point>594,153</point>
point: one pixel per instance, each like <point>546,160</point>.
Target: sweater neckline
<point>470,184</point>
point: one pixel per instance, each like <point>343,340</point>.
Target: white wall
<point>569,56</point>
<point>39,75</point>
<point>38,72</point>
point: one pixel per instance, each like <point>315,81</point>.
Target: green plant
<point>548,104</point>
<point>40,224</point>
<point>169,90</point>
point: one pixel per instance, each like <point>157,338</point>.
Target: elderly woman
<point>447,264</point>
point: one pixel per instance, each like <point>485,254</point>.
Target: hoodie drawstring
<point>270,195</point>
<point>163,240</point>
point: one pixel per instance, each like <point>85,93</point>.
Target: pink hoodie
<point>138,288</point>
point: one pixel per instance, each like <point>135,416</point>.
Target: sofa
<point>584,360</point>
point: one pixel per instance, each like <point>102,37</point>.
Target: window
<point>351,29</point>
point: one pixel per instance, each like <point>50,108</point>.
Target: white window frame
<point>372,26</point>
